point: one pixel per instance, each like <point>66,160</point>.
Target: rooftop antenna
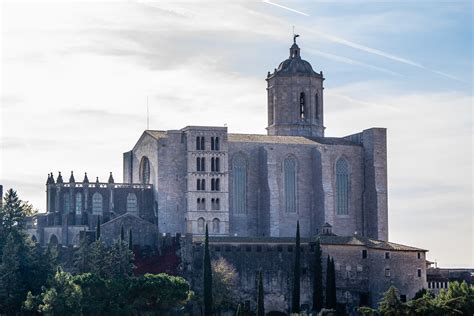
<point>147,115</point>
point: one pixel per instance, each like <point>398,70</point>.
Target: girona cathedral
<point>251,190</point>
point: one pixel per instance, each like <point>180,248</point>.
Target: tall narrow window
<point>132,205</point>
<point>302,106</point>
<point>214,143</point>
<point>200,164</point>
<point>67,202</point>
<point>78,203</point>
<point>201,184</point>
<point>200,225</point>
<point>215,164</point>
<point>342,187</point>
<point>201,204</point>
<point>215,204</point>
<point>200,143</point>
<point>316,105</point>
<point>145,170</point>
<point>289,167</point>
<point>203,164</point>
<point>97,204</point>
<point>239,184</point>
<point>216,223</point>
<point>215,184</point>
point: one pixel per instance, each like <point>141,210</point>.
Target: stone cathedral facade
<point>250,190</point>
<point>261,185</point>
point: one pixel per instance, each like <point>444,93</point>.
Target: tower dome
<point>295,97</point>
<point>294,64</point>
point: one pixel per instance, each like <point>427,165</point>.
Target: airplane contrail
<point>283,7</point>
<point>367,49</point>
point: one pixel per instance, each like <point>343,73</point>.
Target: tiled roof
<point>249,138</point>
<point>256,138</point>
<point>354,240</point>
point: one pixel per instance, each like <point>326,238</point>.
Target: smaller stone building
<point>365,268</point>
<point>73,207</point>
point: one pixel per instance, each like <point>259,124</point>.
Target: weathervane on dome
<point>295,35</point>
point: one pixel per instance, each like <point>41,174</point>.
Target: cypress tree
<point>333,285</point>
<point>130,240</point>
<point>97,230</point>
<point>122,234</point>
<point>318,278</point>
<point>295,298</point>
<point>207,274</point>
<point>260,299</point>
<point>330,284</point>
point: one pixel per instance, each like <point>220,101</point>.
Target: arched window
<point>289,168</point>
<point>53,240</point>
<point>201,204</point>
<point>145,170</point>
<point>302,106</point>
<point>215,184</point>
<point>239,184</point>
<point>215,164</point>
<point>132,204</point>
<point>201,222</point>
<point>97,204</point>
<point>215,204</point>
<point>200,164</point>
<point>216,223</point>
<point>78,203</point>
<point>342,187</point>
<point>214,143</point>
<point>67,202</point>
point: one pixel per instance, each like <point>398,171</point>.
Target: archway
<point>53,240</point>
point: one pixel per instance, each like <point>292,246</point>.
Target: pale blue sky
<point>76,76</point>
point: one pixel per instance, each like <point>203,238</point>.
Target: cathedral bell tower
<point>295,98</point>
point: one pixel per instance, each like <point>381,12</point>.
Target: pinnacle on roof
<point>71,178</point>
<point>111,178</point>
<point>86,179</point>
<point>60,178</point>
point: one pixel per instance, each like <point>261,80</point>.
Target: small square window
<point>227,249</point>
<point>387,255</point>
<point>387,272</point>
<point>218,249</point>
<point>290,248</point>
<point>364,254</point>
<point>403,298</point>
<point>248,248</point>
<point>259,248</point>
<point>280,248</point>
